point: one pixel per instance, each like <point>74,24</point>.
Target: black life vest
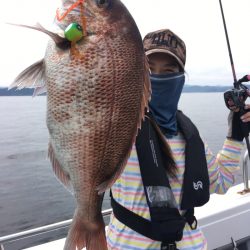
<point>167,224</point>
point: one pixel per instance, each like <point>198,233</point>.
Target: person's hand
<point>246,116</point>
<point>238,125</point>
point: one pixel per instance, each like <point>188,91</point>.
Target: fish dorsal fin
<point>144,105</point>
<point>147,90</point>
<point>32,77</point>
<point>61,42</point>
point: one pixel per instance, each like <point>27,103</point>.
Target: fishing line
<point>73,6</point>
<point>74,32</point>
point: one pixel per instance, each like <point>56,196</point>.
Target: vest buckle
<point>168,246</point>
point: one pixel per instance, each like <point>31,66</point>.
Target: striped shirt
<point>129,192</point>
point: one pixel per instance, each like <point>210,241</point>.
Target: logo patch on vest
<point>198,185</point>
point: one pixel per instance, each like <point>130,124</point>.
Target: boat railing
<point>246,172</point>
<point>65,224</point>
<point>40,231</point>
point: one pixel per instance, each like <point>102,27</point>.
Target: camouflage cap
<point>165,41</point>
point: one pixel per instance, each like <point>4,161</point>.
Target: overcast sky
<point>197,22</point>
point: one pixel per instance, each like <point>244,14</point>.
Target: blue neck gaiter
<point>166,92</point>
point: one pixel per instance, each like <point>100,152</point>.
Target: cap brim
<point>152,51</point>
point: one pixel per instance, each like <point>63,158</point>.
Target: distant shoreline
<point>187,89</point>
<point>15,92</point>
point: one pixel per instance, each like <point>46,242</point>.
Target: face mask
<point>166,92</point>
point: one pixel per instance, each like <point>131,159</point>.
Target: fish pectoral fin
<point>32,77</point>
<point>109,183</point>
<point>60,174</point>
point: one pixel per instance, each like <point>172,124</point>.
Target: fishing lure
<point>74,32</point>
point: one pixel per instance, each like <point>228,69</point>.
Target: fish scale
<point>97,92</point>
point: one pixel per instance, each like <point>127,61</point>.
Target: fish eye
<point>103,3</point>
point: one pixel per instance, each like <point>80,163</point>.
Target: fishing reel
<point>235,98</point>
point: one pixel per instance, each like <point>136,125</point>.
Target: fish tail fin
<point>84,234</point>
<point>97,240</point>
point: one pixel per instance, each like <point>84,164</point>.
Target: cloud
<point>197,22</point>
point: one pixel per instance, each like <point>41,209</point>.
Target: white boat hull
<point>222,218</point>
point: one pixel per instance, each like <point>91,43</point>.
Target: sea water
<point>30,195</point>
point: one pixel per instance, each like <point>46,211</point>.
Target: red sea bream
<point>97,91</point>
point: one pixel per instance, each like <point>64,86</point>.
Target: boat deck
<point>224,217</point>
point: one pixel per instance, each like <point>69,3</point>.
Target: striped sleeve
<point>224,166</point>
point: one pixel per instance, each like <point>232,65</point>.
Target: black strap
<point>166,224</point>
<point>144,226</point>
<point>141,225</point>
<point>132,220</point>
<point>191,219</point>
<point>150,157</point>
<point>195,187</point>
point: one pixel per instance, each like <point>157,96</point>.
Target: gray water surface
<point>30,195</point>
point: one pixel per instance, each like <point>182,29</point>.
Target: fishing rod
<point>235,98</point>
<point>228,44</point>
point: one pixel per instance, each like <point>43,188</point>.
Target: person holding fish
<point>96,76</point>
<point>154,210</point>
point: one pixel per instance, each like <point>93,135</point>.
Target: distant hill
<point>187,89</point>
<point>200,89</point>
<point>14,92</point>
